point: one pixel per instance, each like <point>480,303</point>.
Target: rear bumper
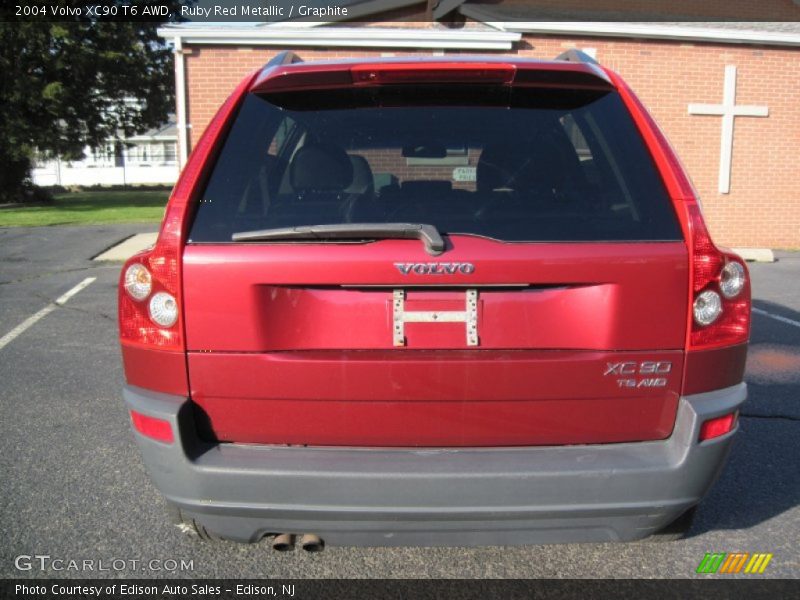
<point>473,496</point>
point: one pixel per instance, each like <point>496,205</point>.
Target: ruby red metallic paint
<point>304,297</point>
<point>277,351</point>
<point>155,369</point>
<point>429,398</point>
<point>715,369</point>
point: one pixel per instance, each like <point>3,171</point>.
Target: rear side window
<point>517,165</point>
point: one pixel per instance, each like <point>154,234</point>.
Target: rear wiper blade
<point>434,244</point>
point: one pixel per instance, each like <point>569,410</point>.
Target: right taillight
<point>719,296</point>
<point>720,290</point>
<point>733,279</point>
<point>707,307</point>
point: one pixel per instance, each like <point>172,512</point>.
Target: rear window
<point>517,165</point>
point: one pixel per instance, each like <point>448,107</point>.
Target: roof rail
<point>573,55</point>
<point>287,57</point>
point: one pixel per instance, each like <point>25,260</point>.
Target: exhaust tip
<point>311,543</point>
<point>283,542</point>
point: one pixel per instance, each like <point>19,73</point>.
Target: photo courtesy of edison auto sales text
<point>136,590</point>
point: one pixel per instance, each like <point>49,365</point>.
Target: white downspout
<point>180,102</point>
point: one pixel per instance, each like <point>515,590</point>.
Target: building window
<point>139,155</point>
<point>170,153</point>
<point>102,156</point>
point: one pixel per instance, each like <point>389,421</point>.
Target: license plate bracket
<point>468,316</point>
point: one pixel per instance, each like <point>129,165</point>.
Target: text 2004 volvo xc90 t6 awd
<point>467,301</point>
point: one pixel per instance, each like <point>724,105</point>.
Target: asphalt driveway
<point>73,486</point>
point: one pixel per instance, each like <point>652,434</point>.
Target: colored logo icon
<point>734,562</point>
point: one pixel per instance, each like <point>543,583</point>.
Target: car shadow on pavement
<point>761,479</point>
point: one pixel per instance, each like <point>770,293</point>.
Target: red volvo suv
<point>434,302</point>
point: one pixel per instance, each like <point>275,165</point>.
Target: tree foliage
<point>66,85</point>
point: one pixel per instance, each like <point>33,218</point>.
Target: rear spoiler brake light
<point>284,78</point>
<point>399,73</point>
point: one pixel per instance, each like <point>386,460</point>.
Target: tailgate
<point>296,343</point>
<point>556,313</point>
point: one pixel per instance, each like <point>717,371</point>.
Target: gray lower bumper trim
<point>378,496</point>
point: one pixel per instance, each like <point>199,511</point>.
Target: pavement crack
<point>779,417</point>
<point>51,273</point>
<point>84,311</point>
<point>89,312</point>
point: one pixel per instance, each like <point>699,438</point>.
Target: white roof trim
<point>647,30</point>
<point>362,37</point>
<point>151,138</point>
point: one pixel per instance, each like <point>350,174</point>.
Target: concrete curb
<point>755,254</point>
<point>127,248</point>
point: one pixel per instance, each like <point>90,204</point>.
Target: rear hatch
<point>554,314</point>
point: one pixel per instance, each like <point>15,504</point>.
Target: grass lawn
<point>84,208</point>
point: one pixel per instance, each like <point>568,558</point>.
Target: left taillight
<point>150,290</point>
<point>150,282</point>
<point>152,276</point>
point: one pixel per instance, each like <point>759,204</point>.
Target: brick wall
<point>391,161</point>
<point>763,206</point>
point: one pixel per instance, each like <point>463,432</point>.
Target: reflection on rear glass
<point>528,165</point>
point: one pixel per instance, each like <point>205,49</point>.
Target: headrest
<point>548,161</point>
<point>320,167</point>
<point>502,166</point>
<point>363,181</point>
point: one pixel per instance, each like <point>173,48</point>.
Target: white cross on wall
<point>727,110</point>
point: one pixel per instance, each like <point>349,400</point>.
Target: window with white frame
<point>170,153</point>
<point>152,154</point>
<point>102,156</point>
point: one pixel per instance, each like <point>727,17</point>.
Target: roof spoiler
<point>572,69</point>
<point>287,57</point>
<point>574,55</point>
